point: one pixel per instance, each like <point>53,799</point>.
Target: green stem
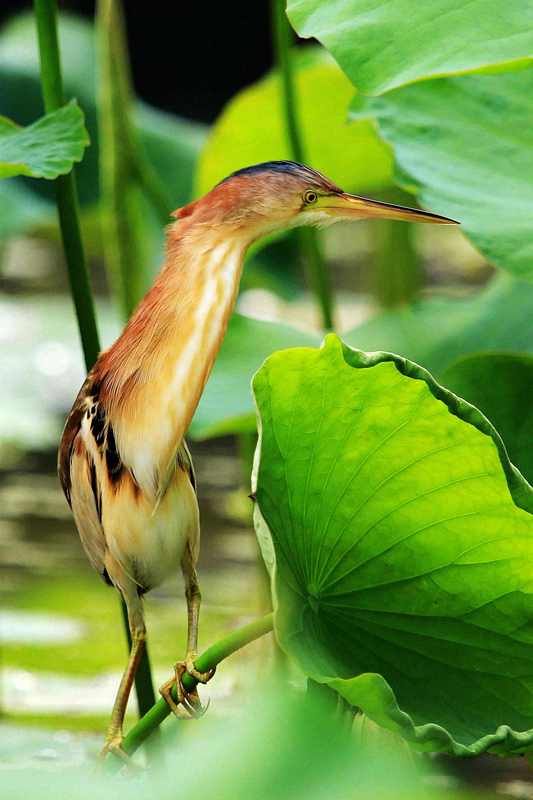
<point>397,274</point>
<point>51,75</point>
<point>318,270</point>
<point>319,274</point>
<point>207,661</point>
<point>66,195</point>
<point>282,53</point>
<point>68,210</point>
<point>151,183</point>
<point>121,197</point>
<point>54,97</point>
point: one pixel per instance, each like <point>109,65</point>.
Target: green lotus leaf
<point>499,384</point>
<point>372,692</point>
<point>384,45</point>
<point>400,541</point>
<point>46,148</point>
<point>439,330</point>
<point>251,129</point>
<point>480,171</point>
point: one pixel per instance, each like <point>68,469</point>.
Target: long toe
<point>201,677</point>
<point>188,710</point>
<point>113,744</point>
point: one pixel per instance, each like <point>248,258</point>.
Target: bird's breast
<point>150,544</point>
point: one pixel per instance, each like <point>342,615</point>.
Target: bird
<point>123,462</point>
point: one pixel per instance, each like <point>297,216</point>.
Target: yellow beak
<point>349,206</point>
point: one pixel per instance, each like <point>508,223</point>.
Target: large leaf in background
<point>500,385</point>
<point>22,209</point>
<point>172,143</point>
<point>402,545</point>
<point>46,148</point>
<point>251,129</point>
<point>226,405</point>
<point>435,332</point>
<point>480,171</point>
<point>387,44</point>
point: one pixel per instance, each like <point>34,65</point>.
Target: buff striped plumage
<point>152,391</point>
<point>123,462</point>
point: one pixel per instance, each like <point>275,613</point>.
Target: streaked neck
<point>156,371</point>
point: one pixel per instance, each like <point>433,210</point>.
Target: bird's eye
<point>310,197</point>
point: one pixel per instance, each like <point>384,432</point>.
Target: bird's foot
<point>201,677</point>
<point>190,701</point>
<point>112,744</point>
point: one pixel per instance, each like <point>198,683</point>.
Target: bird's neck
<point>155,373</point>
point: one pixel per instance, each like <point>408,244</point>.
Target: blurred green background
<point>207,101</point>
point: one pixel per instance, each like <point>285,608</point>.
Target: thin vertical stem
<point>397,274</point>
<point>54,97</point>
<point>65,185</point>
<point>282,41</point>
<point>51,75</point>
<point>319,272</point>
<point>121,193</point>
<point>68,210</point>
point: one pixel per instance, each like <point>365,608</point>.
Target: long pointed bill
<point>349,206</point>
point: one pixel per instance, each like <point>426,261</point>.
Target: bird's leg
<point>115,734</point>
<point>189,700</point>
<point>194,598</point>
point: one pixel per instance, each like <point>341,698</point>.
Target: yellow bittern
<point>123,461</point>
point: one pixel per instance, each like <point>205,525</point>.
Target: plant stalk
<point>150,181</point>
<point>54,97</point>
<point>122,201</point>
<point>318,271</point>
<point>204,663</point>
<point>397,274</point>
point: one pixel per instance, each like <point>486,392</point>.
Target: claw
<point>190,701</point>
<point>201,677</point>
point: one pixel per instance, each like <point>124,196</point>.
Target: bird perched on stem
<point>123,461</point>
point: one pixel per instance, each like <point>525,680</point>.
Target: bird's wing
<point>181,460</point>
<point>184,461</point>
<point>77,473</point>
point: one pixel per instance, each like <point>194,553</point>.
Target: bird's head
<point>283,194</point>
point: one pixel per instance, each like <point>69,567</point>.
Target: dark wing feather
<point>185,462</point>
<point>78,476</point>
<point>72,428</point>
